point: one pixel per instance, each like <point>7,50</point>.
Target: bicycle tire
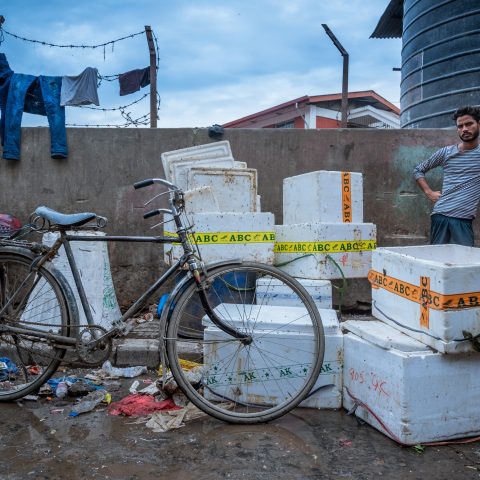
<point>240,383</point>
<point>34,299</point>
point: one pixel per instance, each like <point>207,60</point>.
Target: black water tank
<point>440,61</point>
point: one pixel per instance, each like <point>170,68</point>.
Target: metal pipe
<point>121,238</point>
<point>153,77</point>
<point>344,107</point>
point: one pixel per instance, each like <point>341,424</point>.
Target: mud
<point>40,441</point>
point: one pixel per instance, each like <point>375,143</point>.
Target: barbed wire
<point>48,44</point>
<point>115,76</point>
<point>115,108</point>
<point>142,120</point>
<point>108,78</point>
<point>136,122</point>
<point>156,48</point>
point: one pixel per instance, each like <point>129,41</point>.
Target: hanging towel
<point>133,81</point>
<point>81,89</point>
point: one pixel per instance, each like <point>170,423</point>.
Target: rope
<point>359,403</point>
<point>294,260</point>
<point>468,335</point>
<point>341,289</point>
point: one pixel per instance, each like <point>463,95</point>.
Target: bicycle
<point>253,361</point>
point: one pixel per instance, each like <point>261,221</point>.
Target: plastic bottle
<point>61,390</point>
<point>3,371</point>
<point>89,402</point>
<point>127,372</point>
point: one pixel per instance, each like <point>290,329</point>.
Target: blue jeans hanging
<point>5,76</point>
<point>40,96</point>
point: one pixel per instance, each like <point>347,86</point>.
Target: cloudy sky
<point>219,61</point>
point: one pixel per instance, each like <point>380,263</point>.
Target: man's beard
<point>469,138</point>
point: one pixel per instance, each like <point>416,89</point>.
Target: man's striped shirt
<point>461,180</point>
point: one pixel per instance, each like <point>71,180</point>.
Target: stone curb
<point>136,351</point>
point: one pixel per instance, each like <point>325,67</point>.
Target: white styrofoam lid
<point>446,256</point>
<point>270,317</point>
<point>383,335</point>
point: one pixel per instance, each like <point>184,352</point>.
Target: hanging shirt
<point>133,81</point>
<point>81,89</point>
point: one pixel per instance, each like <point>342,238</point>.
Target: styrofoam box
<point>94,267</point>
<point>225,228</point>
<point>234,189</point>
<point>452,269</point>
<point>417,394</point>
<point>200,199</point>
<point>208,150</point>
<point>292,346</point>
<point>182,166</point>
<point>338,240</point>
<point>317,197</point>
<point>271,291</point>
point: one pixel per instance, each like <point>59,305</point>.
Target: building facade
<point>366,109</point>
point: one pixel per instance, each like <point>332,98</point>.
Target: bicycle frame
<point>121,326</point>
<point>65,240</point>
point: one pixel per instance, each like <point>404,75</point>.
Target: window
<point>288,124</point>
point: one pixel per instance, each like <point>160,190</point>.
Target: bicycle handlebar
<point>143,183</point>
<point>151,181</point>
<point>152,213</point>
<point>176,200</point>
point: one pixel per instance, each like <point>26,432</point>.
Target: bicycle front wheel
<point>28,299</point>
<point>246,382</point>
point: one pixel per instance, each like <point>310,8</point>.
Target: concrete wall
<point>104,163</point>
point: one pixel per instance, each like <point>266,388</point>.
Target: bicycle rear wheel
<point>28,299</point>
<point>238,382</point>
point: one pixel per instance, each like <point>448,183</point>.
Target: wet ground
<point>40,441</point>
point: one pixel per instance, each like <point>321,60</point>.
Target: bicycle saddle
<point>66,220</point>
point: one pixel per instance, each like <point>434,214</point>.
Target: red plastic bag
<point>137,405</point>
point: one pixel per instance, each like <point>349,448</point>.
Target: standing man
<point>456,205</point>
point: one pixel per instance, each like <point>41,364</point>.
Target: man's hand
<point>432,195</point>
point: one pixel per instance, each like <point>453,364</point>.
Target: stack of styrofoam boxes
<point>329,384</point>
<point>292,345</point>
<point>324,238</point>
<point>412,374</point>
<point>222,202</point>
<point>323,233</point>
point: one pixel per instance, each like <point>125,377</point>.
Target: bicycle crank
<point>92,351</point>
